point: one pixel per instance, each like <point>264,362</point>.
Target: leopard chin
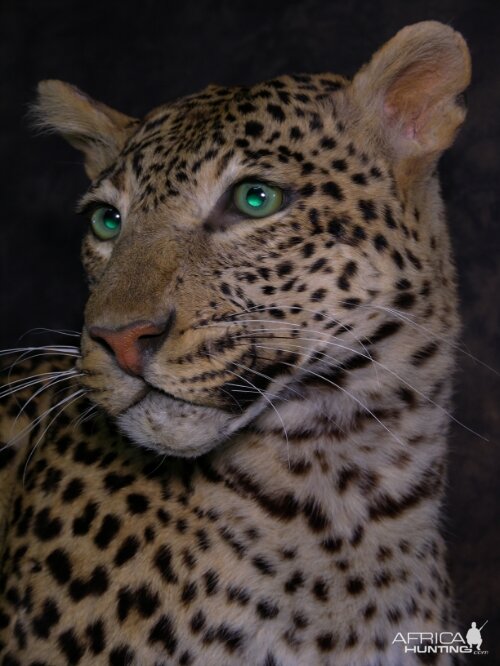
<point>178,428</point>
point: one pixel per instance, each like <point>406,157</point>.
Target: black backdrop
<point>136,55</point>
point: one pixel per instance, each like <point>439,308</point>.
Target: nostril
<point>95,334</point>
<point>151,342</point>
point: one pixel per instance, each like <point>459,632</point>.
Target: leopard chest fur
<point>207,562</point>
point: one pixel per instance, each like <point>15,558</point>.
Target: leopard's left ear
<point>90,126</point>
<point>408,98</point>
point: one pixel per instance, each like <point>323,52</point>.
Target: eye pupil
<point>110,220</point>
<point>256,197</point>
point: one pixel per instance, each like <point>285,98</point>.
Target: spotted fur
<point>298,394</point>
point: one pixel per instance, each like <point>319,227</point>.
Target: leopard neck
<point>368,449</point>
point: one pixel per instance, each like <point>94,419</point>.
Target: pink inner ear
<point>408,125</point>
<point>410,99</point>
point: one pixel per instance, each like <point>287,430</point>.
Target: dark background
<point>136,55</point>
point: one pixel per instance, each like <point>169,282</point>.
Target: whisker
<point>389,370</point>
<point>459,348</point>
<point>25,352</point>
<point>24,357</point>
<point>232,398</point>
<point>84,416</point>
<point>358,402</point>
<point>400,315</point>
<point>297,326</point>
<point>50,384</point>
<point>162,460</point>
<point>328,318</point>
<point>66,402</point>
<point>278,397</point>
<point>91,415</point>
<point>27,429</point>
<point>267,399</point>
<point>25,382</point>
<point>405,316</point>
<point>340,388</point>
<point>242,386</point>
<point>260,374</point>
<point>38,330</point>
<point>53,349</point>
<point>329,334</point>
<point>282,327</point>
<point>20,359</point>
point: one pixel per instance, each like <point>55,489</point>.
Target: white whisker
<point>65,403</point>
<point>267,399</point>
<point>50,384</point>
<point>24,357</point>
<point>290,326</point>
<point>387,369</point>
<point>88,413</point>
<point>260,374</point>
<point>40,329</point>
<point>19,385</point>
<point>340,388</point>
<point>27,429</point>
<point>52,349</point>
<point>405,316</point>
<point>459,348</point>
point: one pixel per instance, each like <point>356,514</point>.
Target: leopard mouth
<point>151,388</point>
<point>173,426</point>
<point>177,425</point>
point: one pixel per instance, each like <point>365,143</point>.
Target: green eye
<point>257,199</point>
<point>106,222</point>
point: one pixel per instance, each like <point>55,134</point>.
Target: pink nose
<point>132,343</point>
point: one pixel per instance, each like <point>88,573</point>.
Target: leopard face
<point>201,316</point>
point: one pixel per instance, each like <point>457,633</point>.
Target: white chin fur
<point>177,428</point>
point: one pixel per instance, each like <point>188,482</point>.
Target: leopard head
<point>244,239</point>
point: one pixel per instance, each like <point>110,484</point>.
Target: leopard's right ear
<point>92,127</point>
<point>408,100</point>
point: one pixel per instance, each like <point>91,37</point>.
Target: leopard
<point>242,461</point>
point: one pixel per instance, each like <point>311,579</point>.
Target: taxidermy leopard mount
<point>243,460</point>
